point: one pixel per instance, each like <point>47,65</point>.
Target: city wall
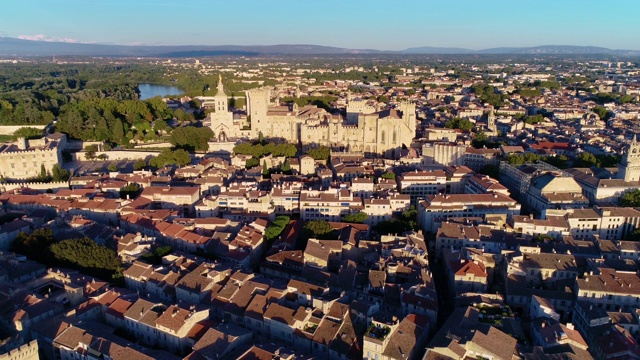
<point>10,129</point>
<point>116,155</point>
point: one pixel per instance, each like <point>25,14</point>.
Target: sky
<point>373,24</point>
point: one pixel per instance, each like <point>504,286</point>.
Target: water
<point>148,91</point>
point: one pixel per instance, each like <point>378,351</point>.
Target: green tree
<point>191,138</point>
<point>118,132</point>
<point>112,167</point>
<point>388,175</point>
<point>260,138</point>
<point>459,123</point>
<point>130,191</point>
<point>586,159</point>
<point>265,169</point>
<point>490,170</point>
<point>35,246</point>
<point>43,173</point>
<point>602,112</point>
<point>159,125</point>
<point>634,236</point>
<point>59,174</point>
<point>253,162</point>
<point>630,199</point>
<point>286,166</point>
<point>139,164</point>
<point>28,133</point>
<point>318,229</point>
<point>90,151</point>
<point>155,257</point>
<point>359,217</point>
<point>559,161</point>
<point>276,227</point>
<point>167,157</point>
<point>320,153</point>
<point>383,99</point>
<point>87,256</point>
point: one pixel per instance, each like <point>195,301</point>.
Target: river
<point>148,91</point>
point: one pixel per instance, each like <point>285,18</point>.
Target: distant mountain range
<point>19,47</point>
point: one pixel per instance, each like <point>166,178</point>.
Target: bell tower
<point>629,167</point>
<point>221,100</point>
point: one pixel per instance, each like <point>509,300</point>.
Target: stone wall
<point>116,155</point>
<point>54,186</point>
<point>25,352</point>
<point>10,129</point>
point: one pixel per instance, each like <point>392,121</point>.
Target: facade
<point>443,153</point>
<point>26,158</point>
<point>378,132</point>
<point>438,207</point>
<point>554,191</point>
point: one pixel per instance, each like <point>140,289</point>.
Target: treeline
<point>261,149</point>
<point>113,121</point>
<point>582,160</point>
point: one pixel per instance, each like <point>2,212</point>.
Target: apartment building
<point>438,207</point>
<point>329,205</point>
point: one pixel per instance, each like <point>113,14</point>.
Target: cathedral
<point>369,132</point>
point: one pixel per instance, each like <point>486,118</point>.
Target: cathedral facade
<point>374,132</point>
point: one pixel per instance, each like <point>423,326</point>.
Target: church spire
<point>220,85</point>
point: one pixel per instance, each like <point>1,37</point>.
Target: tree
<point>490,170</point>
<point>87,256</point>
<point>139,164</point>
<point>388,175</point>
<point>130,191</point>
<point>260,138</point>
<point>159,126</point>
<point>320,153</point>
<point>250,163</point>
<point>535,119</point>
<point>630,199</point>
<point>383,99</point>
<point>191,138</point>
<point>166,157</point>
<point>59,174</point>
<point>112,167</point>
<point>559,161</point>
<point>103,157</point>
<point>118,132</point>
<point>586,159</point>
<point>276,227</point>
<point>318,229</point>
<point>265,169</point>
<point>90,151</point>
<point>286,166</point>
<point>634,236</point>
<point>155,257</point>
<point>359,217</point>
<point>602,112</point>
<point>43,173</point>
<point>459,123</point>
<point>35,246</point>
<point>28,133</point>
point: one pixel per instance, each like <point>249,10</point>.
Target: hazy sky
<point>385,25</point>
